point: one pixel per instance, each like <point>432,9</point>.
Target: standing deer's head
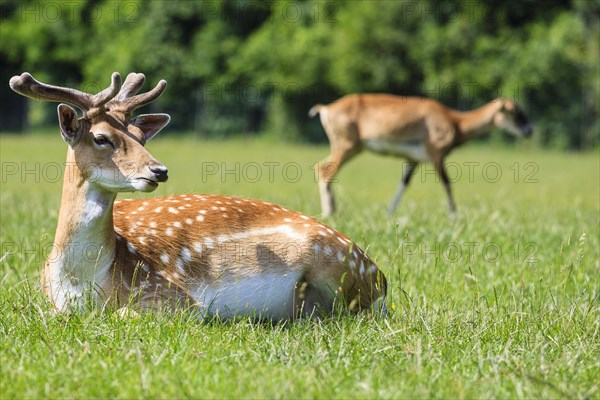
<point>511,118</point>
<point>107,143</point>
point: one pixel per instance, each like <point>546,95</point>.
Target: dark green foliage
<point>246,66</point>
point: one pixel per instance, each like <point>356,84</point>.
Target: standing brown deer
<point>418,129</point>
<point>221,255</point>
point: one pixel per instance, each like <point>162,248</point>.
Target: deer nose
<point>160,172</point>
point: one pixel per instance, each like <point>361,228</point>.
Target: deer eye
<point>102,140</point>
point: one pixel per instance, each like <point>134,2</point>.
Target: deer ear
<point>508,105</point>
<point>151,124</point>
<point>69,124</point>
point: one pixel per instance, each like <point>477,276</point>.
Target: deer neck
<point>476,123</point>
<point>84,245</point>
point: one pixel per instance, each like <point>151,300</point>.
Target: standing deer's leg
<point>327,170</point>
<point>408,174</point>
<point>441,170</point>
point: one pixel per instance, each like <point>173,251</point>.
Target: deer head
<point>106,144</point>
<point>511,118</point>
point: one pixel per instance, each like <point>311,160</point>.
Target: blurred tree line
<point>237,66</point>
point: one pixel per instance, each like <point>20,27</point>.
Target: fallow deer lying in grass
<point>222,255</point>
<point>418,129</point>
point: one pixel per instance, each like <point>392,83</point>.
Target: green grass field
<point>500,302</point>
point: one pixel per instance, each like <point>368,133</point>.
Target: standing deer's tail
<point>315,110</point>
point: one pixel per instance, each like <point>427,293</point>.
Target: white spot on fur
<point>169,231</point>
<point>164,257</point>
<point>153,224</point>
<point>209,243</point>
<point>199,218</point>
<point>186,254</point>
<point>328,250</point>
<point>158,209</point>
<point>177,224</point>
<point>188,221</point>
<point>198,247</point>
<point>179,265</point>
<point>173,210</point>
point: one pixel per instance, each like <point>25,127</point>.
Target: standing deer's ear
<point>508,105</point>
<point>151,124</point>
<point>69,125</point>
